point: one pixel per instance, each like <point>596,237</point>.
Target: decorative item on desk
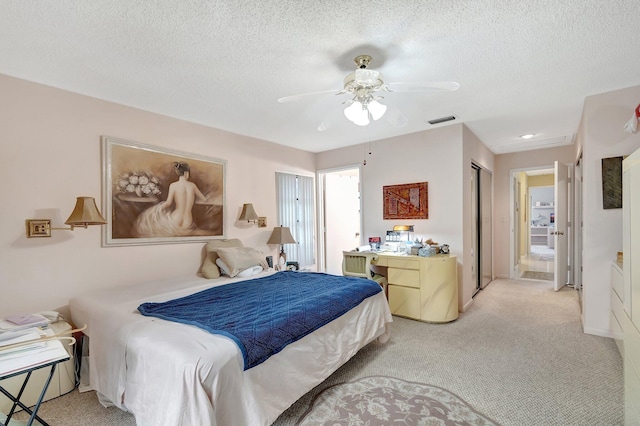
<point>425,252</point>
<point>444,249</point>
<point>293,266</point>
<point>374,242</point>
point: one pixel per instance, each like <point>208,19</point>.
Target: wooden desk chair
<point>361,264</point>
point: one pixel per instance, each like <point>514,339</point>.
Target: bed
<point>166,372</point>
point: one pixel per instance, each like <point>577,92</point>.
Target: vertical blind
<point>294,195</point>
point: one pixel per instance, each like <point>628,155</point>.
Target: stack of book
<point>25,342</point>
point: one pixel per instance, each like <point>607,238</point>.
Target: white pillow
<point>224,269</point>
<point>240,258</point>
<point>252,270</point>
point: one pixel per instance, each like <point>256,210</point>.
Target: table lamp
<point>281,235</point>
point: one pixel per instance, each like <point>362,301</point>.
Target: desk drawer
<point>404,277</point>
<point>404,301</point>
<point>404,263</point>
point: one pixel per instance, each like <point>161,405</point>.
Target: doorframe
<point>320,206</point>
<point>571,210</point>
<point>577,227</point>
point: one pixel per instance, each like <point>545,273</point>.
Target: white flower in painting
<point>141,183</point>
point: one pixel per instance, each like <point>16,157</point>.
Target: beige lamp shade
<point>248,213</point>
<point>85,213</point>
<point>281,235</point>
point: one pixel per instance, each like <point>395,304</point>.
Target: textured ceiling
<point>523,66</point>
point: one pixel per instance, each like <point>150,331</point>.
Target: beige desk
<point>422,288</point>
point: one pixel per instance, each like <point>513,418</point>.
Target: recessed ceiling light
<point>528,136</point>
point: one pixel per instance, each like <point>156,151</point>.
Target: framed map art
<point>407,201</point>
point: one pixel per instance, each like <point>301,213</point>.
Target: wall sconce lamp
<point>84,214</point>
<point>248,213</point>
<point>281,235</point>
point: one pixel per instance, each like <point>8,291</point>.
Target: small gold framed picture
<point>262,222</point>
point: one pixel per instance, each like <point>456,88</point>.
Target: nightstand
<point>63,380</point>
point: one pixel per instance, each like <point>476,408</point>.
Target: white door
<point>341,216</point>
<point>486,232</point>
<point>474,229</point>
<point>516,225</point>
<point>561,233</point>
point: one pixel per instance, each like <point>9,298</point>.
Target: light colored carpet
<point>385,400</point>
<point>537,275</point>
<point>518,356</point>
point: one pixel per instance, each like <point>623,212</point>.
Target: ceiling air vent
<point>441,120</point>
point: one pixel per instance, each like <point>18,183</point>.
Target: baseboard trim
<point>599,332</point>
<point>466,306</point>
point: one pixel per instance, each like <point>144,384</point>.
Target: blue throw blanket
<point>264,315</point>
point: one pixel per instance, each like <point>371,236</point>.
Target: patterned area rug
<point>536,275</point>
<point>376,401</point>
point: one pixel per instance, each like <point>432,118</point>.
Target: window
<point>294,196</point>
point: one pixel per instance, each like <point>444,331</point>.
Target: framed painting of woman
<point>155,195</point>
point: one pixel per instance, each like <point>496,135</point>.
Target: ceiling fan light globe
<point>353,111</point>
<point>363,120</point>
<point>356,114</point>
<point>376,109</point>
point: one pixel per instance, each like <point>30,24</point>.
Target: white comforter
<point>167,373</point>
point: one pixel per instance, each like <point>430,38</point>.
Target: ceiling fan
<point>365,85</point>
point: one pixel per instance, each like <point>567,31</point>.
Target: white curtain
<point>294,196</point>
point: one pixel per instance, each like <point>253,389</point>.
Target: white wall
<point>50,147</point>
<point>601,135</point>
<point>442,157</point>
<point>473,151</point>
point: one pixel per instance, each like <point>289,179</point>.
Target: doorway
<point>340,216</point>
<point>534,219</point>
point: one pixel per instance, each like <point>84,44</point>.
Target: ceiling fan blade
<point>304,95</point>
<point>395,117</point>
<point>325,125</point>
<point>432,86</point>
